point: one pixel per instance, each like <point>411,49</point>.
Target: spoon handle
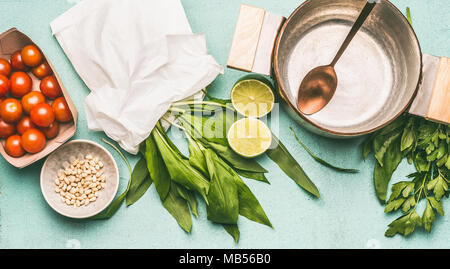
<point>358,23</point>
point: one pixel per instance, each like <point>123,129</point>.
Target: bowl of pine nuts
<point>80,179</point>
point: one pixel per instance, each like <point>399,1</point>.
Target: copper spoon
<point>319,85</point>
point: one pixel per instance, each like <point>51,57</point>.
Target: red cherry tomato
<point>24,125</point>
<point>11,110</point>
<point>31,99</point>
<point>5,67</point>
<point>33,141</point>
<point>31,55</point>
<point>52,130</point>
<point>42,70</point>
<point>42,115</point>
<point>20,84</point>
<point>61,109</point>
<point>5,85</point>
<point>17,63</point>
<point>50,87</point>
<point>13,146</point>
<point>6,129</point>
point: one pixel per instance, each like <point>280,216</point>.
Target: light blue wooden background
<point>347,216</point>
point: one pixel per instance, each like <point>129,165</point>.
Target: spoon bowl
<point>317,89</point>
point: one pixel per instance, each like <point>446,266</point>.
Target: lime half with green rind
<point>249,137</point>
<point>252,96</point>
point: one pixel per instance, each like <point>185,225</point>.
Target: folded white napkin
<point>136,57</point>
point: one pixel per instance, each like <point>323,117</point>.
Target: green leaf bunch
<point>212,171</point>
<point>424,144</point>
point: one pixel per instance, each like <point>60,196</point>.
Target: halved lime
<point>252,97</point>
<point>249,137</point>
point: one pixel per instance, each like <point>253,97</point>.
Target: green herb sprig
<point>426,145</point>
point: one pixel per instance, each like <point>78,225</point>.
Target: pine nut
<point>81,180</point>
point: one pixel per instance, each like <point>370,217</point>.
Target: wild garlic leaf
<point>213,128</point>
<point>156,167</point>
<point>179,168</point>
<point>236,161</point>
<point>178,208</point>
<point>249,206</point>
<point>140,182</point>
<point>196,157</point>
<point>189,196</point>
<point>112,208</point>
<point>135,194</point>
<point>217,100</point>
<point>166,138</point>
<point>321,161</point>
<point>253,175</point>
<point>223,198</point>
<point>281,156</point>
<point>428,217</point>
<point>115,205</point>
<point>195,127</point>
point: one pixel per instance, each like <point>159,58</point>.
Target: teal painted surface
<point>347,216</point>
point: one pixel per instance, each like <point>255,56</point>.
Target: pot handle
<point>253,41</point>
<point>433,97</point>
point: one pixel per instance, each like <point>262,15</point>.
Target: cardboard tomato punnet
<point>11,41</point>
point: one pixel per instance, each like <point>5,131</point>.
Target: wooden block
<point>246,37</point>
<point>439,106</point>
<point>263,58</point>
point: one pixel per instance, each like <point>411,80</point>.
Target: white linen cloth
<point>136,57</point>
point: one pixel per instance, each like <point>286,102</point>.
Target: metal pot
<point>379,74</point>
